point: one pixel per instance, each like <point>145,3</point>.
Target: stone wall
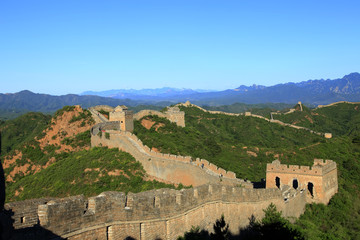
<point>173,168</point>
<point>163,213</point>
<point>188,104</point>
<point>173,114</point>
<point>103,107</point>
<point>335,103</point>
<point>321,178</point>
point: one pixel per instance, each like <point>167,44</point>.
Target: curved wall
<point>172,168</point>
<point>163,213</point>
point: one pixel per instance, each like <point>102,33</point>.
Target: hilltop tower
<point>320,180</point>
<point>175,115</point>
<point>301,109</point>
<point>124,116</point>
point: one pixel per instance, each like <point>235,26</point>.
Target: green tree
<point>221,230</point>
<point>274,226</point>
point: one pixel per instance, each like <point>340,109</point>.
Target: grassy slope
<point>22,129</point>
<point>85,172</point>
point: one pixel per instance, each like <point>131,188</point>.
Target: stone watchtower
<point>175,115</point>
<point>320,180</point>
<point>124,116</point>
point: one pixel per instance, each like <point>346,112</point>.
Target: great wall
<point>335,103</point>
<point>167,213</point>
<point>249,114</point>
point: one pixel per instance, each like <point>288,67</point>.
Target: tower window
<point>295,184</point>
<point>311,188</point>
<point>277,182</point>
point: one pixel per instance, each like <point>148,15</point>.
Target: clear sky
<point>70,46</point>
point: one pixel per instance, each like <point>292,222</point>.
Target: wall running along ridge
<point>335,103</point>
<point>249,114</point>
<point>163,213</point>
<point>172,168</point>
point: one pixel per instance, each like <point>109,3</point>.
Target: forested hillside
<point>241,144</point>
<point>50,156</point>
<point>245,144</point>
<point>339,119</point>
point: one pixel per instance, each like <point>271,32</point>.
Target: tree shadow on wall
<point>131,238</point>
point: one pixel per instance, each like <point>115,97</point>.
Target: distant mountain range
<point>26,100</point>
<point>165,92</point>
<point>313,92</point>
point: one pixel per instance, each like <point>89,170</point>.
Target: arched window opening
<point>311,188</point>
<point>277,182</point>
<point>295,184</point>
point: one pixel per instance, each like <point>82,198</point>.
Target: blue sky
<point>71,46</point>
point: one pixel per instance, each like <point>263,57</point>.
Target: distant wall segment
<point>249,114</point>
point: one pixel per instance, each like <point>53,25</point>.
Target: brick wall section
<point>163,213</point>
<point>176,169</point>
<point>98,233</point>
<point>122,231</point>
<point>323,176</point>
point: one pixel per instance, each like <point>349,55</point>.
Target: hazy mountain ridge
<point>27,100</point>
<point>311,91</point>
<point>142,93</point>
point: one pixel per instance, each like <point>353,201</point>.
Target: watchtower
<point>175,115</point>
<point>320,180</point>
<point>124,116</point>
<point>301,108</point>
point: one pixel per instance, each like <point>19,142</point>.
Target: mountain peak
<point>354,75</point>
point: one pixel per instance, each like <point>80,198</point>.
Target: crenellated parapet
<point>319,168</point>
<point>164,213</point>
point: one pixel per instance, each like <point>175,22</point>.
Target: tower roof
<point>120,108</point>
